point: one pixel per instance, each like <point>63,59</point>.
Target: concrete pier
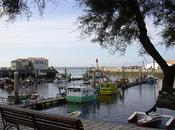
<point>94,125</point>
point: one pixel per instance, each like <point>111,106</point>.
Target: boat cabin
<point>81,90</point>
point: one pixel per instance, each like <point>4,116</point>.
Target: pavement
<point>94,125</point>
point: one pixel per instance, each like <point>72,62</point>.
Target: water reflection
<point>107,99</point>
<point>50,89</point>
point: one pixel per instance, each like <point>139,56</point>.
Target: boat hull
<point>80,99</point>
<point>108,88</point>
<point>153,123</point>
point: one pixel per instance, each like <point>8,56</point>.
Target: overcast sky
<point>54,36</point>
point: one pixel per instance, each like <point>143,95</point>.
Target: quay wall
<point>50,73</point>
<point>134,72</point>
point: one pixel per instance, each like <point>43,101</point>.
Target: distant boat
<point>62,78</point>
<point>108,88</point>
<point>74,114</point>
<point>80,93</point>
<point>150,79</point>
<point>147,79</point>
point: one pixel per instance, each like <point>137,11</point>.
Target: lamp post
<point>97,63</point>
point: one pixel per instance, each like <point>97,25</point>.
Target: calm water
<point>114,108</point>
<point>74,71</point>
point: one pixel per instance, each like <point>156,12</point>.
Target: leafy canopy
<point>112,22</point>
<point>14,8</point>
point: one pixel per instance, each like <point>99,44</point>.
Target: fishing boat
<point>150,79</point>
<point>108,88</point>
<point>62,78</point>
<point>151,119</point>
<point>80,93</point>
<point>142,119</point>
<point>74,114</point>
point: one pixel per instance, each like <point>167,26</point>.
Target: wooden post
<point>140,73</point>
<point>140,76</point>
<point>65,71</point>
<point>36,80</point>
<point>154,70</point>
<point>123,75</point>
<point>94,78</point>
<point>16,85</point>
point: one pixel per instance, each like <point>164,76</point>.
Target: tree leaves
<point>109,21</point>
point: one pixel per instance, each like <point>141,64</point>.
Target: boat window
<point>76,89</point>
<point>70,89</point>
<point>141,116</point>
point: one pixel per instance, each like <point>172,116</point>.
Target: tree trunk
<point>169,72</point>
<point>168,79</point>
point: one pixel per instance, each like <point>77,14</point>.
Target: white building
<point>151,65</point>
<point>30,63</point>
<point>39,63</point>
<point>19,64</point>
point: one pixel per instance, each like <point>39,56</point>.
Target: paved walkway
<point>94,125</point>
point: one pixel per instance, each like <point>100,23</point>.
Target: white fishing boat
<point>80,93</point>
<point>151,119</point>
<point>62,78</point>
<point>74,114</point>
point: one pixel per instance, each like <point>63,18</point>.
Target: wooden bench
<point>13,116</point>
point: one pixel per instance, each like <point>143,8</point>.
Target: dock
<point>45,103</point>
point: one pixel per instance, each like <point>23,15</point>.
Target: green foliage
<point>112,23</point>
<point>14,8</point>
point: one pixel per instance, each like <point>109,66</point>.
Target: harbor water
<point>112,108</point>
<point>108,108</point>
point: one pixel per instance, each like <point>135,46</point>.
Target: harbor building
<point>32,63</point>
<point>20,64</point>
<point>39,63</point>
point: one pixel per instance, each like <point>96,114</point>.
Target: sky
<point>54,36</point>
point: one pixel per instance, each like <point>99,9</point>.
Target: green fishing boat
<point>80,93</point>
<point>108,88</point>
